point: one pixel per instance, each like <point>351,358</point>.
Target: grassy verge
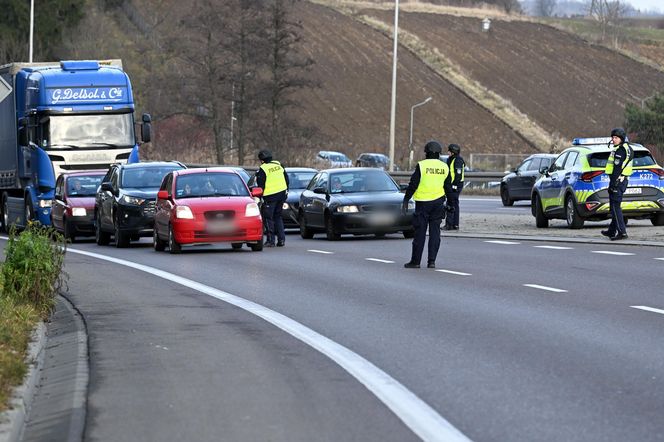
<point>29,279</point>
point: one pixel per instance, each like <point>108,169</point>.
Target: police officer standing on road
<point>457,170</point>
<point>427,188</point>
<point>618,168</point>
<point>272,178</point>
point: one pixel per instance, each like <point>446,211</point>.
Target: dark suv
<point>125,201</point>
<point>373,160</point>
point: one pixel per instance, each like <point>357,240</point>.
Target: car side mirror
<point>320,190</point>
<point>163,195</point>
<point>146,128</point>
<point>107,187</point>
<point>256,192</point>
<point>544,170</point>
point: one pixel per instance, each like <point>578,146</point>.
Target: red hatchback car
<point>73,209</point>
<point>200,206</point>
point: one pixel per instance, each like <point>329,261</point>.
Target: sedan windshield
<point>299,180</point>
<point>87,131</point>
<point>198,185</point>
<point>83,185</point>
<point>145,177</point>
<point>362,181</point>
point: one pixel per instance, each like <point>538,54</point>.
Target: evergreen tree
<point>647,122</point>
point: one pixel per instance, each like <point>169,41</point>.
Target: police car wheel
<point>574,221</point>
<point>658,219</point>
<point>541,221</point>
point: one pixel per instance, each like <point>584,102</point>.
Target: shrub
<point>32,272</point>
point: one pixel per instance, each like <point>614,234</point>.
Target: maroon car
<point>72,212</point>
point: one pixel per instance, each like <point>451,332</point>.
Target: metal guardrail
<point>472,179</point>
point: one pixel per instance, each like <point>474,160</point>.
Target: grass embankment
<point>29,279</point>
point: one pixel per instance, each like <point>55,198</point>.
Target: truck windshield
<point>89,131</point>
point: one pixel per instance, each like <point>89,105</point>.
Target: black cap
<point>454,148</point>
<point>265,155</point>
<point>620,133</point>
<point>433,146</point>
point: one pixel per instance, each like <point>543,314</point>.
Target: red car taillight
<point>588,176</point>
<point>658,171</point>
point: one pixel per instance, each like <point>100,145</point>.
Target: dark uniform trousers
<point>428,214</point>
<point>615,198</point>
<point>453,202</point>
<point>274,223</point>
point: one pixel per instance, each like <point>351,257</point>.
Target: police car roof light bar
<point>592,141</point>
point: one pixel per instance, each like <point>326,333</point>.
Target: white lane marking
<point>543,287</point>
<point>495,200</point>
<point>608,252</point>
<point>320,251</point>
<point>454,273</point>
<point>649,309</point>
<point>380,260</point>
<point>423,420</point>
<point>503,242</point>
<point>661,259</point>
<point>553,247</point>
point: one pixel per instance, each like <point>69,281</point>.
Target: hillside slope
<point>352,106</point>
<point>560,81</point>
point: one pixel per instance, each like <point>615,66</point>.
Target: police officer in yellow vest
<point>457,172</point>
<point>618,168</point>
<point>272,178</point>
<point>427,188</point>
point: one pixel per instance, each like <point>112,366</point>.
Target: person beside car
<point>427,188</point>
<point>619,169</point>
<point>273,179</point>
<point>457,167</point>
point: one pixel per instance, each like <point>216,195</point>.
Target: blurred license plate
<point>633,190</point>
<point>381,219</point>
<point>220,227</point>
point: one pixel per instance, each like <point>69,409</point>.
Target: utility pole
<point>32,27</point>
<point>394,83</point>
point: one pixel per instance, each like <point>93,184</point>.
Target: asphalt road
<point>508,341</point>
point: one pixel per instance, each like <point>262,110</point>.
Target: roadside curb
<point>516,237</point>
<point>13,421</point>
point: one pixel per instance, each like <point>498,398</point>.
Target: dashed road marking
<point>503,242</point>
<point>454,273</point>
<point>554,247</point>
<point>649,309</point>
<point>385,261</point>
<point>609,252</point>
<point>323,252</point>
<point>416,414</point>
<point>543,287</point>
<point>661,259</point>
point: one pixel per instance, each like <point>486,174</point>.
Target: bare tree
<point>607,14</point>
<point>545,8</point>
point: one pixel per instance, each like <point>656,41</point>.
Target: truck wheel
<point>541,221</point>
<point>658,219</point>
<point>29,211</point>
<point>574,221</point>
<point>101,238</point>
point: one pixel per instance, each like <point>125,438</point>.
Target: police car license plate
<point>633,190</point>
<point>220,227</point>
<point>381,219</point>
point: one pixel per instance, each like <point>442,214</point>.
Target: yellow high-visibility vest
<point>275,181</point>
<point>453,171</point>
<point>432,179</point>
<point>626,165</point>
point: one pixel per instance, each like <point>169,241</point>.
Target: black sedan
<point>298,180</point>
<point>356,201</point>
<point>518,185</point>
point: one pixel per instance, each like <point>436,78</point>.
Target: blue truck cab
<point>60,117</point>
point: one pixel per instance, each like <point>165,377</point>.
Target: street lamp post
<point>32,26</point>
<point>394,83</point>
<point>233,117</point>
<point>410,142</point>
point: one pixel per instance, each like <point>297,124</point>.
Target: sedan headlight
<point>252,210</point>
<point>183,212</point>
<point>348,209</point>
<point>78,211</point>
<point>133,200</point>
<point>285,206</point>
<point>45,203</point>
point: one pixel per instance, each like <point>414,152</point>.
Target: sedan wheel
<point>173,246</point>
<point>68,231</point>
<point>330,233</point>
<point>121,238</point>
<point>158,244</point>
<point>258,246</point>
<point>305,232</point>
<point>505,196</point>
<point>102,238</point>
